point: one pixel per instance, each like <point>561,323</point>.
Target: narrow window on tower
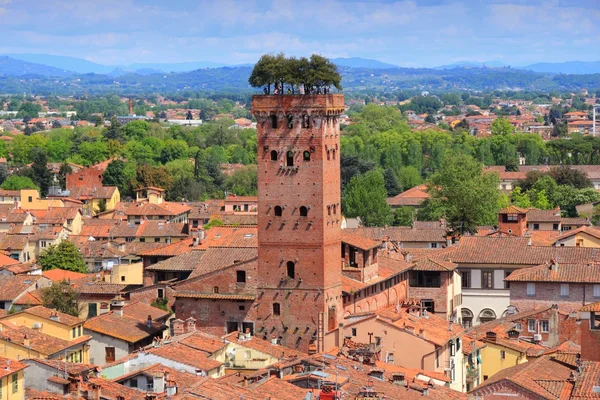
<point>305,121</point>
<point>274,155</point>
<point>303,211</point>
<point>216,289</point>
<point>291,269</point>
<point>334,209</point>
<point>333,153</point>
<point>274,121</point>
<point>276,309</point>
<point>290,159</point>
<point>328,155</point>
<point>306,155</point>
<point>290,119</point>
<point>328,210</point>
<point>278,211</point>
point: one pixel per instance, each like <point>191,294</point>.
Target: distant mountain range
<point>52,65</point>
<point>70,76</point>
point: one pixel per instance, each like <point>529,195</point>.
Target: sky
<point>420,33</point>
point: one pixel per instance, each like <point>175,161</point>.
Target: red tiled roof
<point>59,275</point>
<point>45,344</point>
<point>186,355</point>
<point>358,241</point>
<point>8,367</point>
<point>13,286</point>
<point>411,197</point>
<point>564,273</point>
<point>216,258</point>
<point>172,249</point>
<point>132,325</point>
<point>264,346</point>
<point>225,236</point>
<point>46,313</point>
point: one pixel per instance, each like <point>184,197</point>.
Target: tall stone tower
<point>299,297</point>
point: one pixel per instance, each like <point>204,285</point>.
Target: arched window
<point>216,289</point>
<point>328,155</point>
<point>274,155</point>
<point>487,315</point>
<point>291,270</point>
<point>274,121</point>
<point>276,309</point>
<point>306,155</point>
<point>328,210</point>
<point>467,318</point>
<point>278,211</point>
<point>334,209</point>
<point>290,158</point>
<point>290,119</point>
<point>333,153</point>
<point>303,211</point>
<point>305,121</point>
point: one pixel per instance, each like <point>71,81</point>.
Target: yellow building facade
<point>496,357</point>
<point>12,381</point>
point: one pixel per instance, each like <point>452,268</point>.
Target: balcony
<point>473,373</point>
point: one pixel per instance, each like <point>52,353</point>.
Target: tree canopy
<point>63,297</point>
<point>365,197</point>
<point>64,256</point>
<point>311,75</point>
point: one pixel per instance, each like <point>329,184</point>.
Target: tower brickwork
<point>299,297</point>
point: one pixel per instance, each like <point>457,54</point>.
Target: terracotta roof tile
<point>8,367</point>
<point>59,275</point>
<point>564,273</point>
<point>132,325</point>
<point>186,355</point>
<point>13,285</point>
<point>183,262</point>
<point>171,249</point>
<point>216,258</point>
<point>358,241</point>
<point>432,264</point>
<point>224,236</point>
<point>535,215</point>
<point>46,313</point>
<point>45,344</point>
<point>264,346</point>
<point>411,197</point>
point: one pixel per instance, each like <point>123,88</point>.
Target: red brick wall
<point>312,242</point>
<point>438,295</point>
<point>547,294</point>
<point>149,294</point>
<point>590,342</point>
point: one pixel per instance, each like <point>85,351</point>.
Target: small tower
<point>299,219</point>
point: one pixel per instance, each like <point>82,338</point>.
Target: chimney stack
<point>178,327</point>
<point>117,305</point>
<point>149,322</point>
<point>94,391</point>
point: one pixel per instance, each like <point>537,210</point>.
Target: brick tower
<point>299,298</point>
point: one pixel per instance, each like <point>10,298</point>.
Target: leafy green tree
<point>365,197</point>
<point>63,297</point>
<point>501,127</point>
<point>40,174</point>
<point>15,182</point>
<point>403,216</point>
<point>147,175</point>
<point>28,109</point>
<point>243,182</point>
<point>520,199</point>
<point>114,131</point>
<point>409,177</point>
<point>64,256</point>
<point>350,166</point>
<point>569,176</point>
<point>114,175</point>
<point>467,195</point>
<point>101,206</point>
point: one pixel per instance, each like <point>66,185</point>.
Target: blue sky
<point>407,33</point>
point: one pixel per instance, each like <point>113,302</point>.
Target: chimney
<point>26,342</point>
<point>398,378</point>
<point>177,327</point>
<point>159,383</point>
<point>171,388</point>
<point>149,322</point>
<point>490,336</point>
<point>448,240</point>
<point>93,391</point>
<point>190,324</point>
<point>554,265</point>
<point>117,305</point>
<point>450,326</point>
<point>54,316</point>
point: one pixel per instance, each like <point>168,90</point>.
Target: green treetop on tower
<point>301,75</point>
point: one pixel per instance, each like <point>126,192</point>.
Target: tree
<point>243,182</point>
<point>15,182</point>
<point>63,297</point>
<point>114,175</point>
<point>64,256</point>
<point>147,175</point>
<point>101,206</point>
<point>569,176</point>
<point>501,127</point>
<point>114,130</point>
<point>403,216</point>
<point>409,177</point>
<point>365,197</point>
<point>40,173</point>
<point>63,171</point>
<point>466,195</point>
